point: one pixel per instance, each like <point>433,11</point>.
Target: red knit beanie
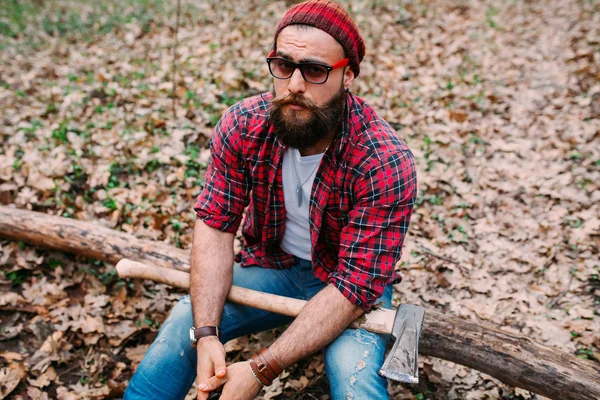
<point>333,19</point>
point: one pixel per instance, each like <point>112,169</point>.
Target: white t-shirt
<point>296,238</point>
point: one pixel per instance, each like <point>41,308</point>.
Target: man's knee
<point>173,336</point>
<point>170,358</point>
<point>352,362</point>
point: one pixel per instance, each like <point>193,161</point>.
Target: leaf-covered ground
<point>498,99</point>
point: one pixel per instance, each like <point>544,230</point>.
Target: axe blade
<point>401,363</point>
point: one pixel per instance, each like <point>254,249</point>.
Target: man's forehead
<point>310,42</point>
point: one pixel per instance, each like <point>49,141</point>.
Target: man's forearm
<point>322,319</point>
<point>211,269</point>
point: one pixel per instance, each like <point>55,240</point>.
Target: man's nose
<point>297,84</point>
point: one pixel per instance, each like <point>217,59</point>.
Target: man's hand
<point>238,383</point>
<point>211,362</point>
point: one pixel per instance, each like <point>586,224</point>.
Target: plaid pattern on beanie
<point>333,19</point>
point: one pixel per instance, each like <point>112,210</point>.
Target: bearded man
<point>329,189</point>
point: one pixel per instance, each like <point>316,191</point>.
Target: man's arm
<point>370,246</point>
<point>219,210</point>
<point>211,270</point>
<point>322,319</point>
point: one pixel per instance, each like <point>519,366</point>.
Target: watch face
<point>192,336</point>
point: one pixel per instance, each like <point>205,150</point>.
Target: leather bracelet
<point>266,355</point>
<point>254,374</point>
<point>263,379</point>
<point>263,368</point>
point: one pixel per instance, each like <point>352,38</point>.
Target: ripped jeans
<point>352,360</point>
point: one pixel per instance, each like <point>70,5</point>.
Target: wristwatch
<point>198,333</point>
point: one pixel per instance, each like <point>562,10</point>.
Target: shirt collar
<point>341,139</point>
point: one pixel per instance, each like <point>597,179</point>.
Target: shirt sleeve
<point>227,183</point>
<point>371,242</point>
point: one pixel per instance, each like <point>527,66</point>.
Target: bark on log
<point>87,239</point>
<point>513,359</point>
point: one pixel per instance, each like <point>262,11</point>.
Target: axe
<point>404,324</point>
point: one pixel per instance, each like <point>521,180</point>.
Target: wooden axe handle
<point>378,321</point>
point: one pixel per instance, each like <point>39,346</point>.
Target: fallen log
<point>87,239</point>
<point>511,358</point>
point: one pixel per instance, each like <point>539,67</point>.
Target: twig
<point>68,370</point>
<point>174,104</point>
<point>554,302</point>
<point>24,309</point>
<point>434,254</point>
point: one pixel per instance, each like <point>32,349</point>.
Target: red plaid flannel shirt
<point>361,201</point>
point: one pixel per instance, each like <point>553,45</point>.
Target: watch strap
<point>204,331</point>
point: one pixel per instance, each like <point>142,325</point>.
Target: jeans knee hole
<point>364,337</point>
<point>360,365</point>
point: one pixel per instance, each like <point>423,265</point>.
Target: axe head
<point>401,363</point>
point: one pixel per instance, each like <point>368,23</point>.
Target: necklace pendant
<point>299,194</point>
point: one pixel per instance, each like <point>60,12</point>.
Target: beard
<point>295,129</point>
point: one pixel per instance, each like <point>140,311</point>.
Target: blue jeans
<point>352,360</point>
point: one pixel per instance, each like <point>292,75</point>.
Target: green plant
<point>110,203</point>
<point>490,14</point>
<point>17,277</point>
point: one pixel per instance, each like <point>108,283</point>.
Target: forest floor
<point>498,99</point>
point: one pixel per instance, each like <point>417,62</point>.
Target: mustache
<point>294,99</point>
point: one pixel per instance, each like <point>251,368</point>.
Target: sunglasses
<point>312,72</point>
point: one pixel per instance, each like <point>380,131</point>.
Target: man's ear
<point>348,77</point>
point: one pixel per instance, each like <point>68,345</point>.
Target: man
<point>329,190</point>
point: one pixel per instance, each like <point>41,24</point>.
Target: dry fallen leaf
<point>121,331</point>
<point>136,354</point>
<point>10,377</point>
<point>11,356</point>
<point>458,116</point>
<point>273,390</point>
<point>62,393</point>
<point>36,394</point>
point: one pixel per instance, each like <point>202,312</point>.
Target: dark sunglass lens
<point>281,68</point>
<point>314,73</point>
